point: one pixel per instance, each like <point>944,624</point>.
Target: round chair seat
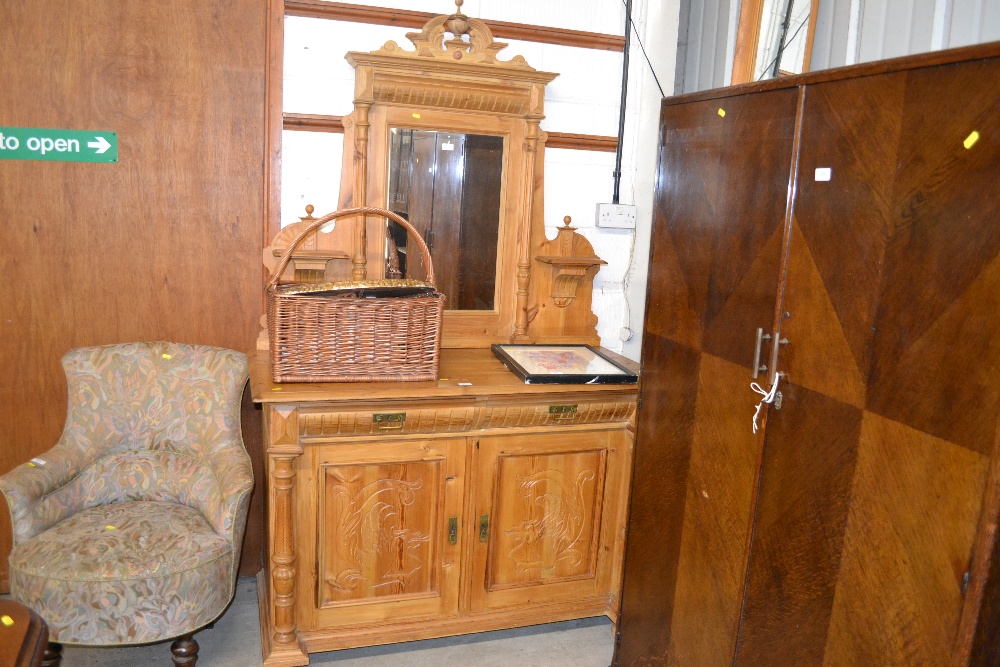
<point>126,573</point>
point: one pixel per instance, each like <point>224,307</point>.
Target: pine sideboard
<point>410,510</point>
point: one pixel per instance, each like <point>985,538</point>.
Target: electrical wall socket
<point>620,216</point>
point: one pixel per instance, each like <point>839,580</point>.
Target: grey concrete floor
<point>235,642</point>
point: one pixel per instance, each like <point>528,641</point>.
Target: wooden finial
<point>567,220</point>
<point>458,24</point>
<point>309,209</point>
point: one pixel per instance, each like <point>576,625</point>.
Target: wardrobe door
<point>721,194</point>
<point>875,466</point>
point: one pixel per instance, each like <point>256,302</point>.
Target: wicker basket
<point>349,339</point>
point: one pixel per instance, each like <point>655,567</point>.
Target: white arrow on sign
<point>101,145</point>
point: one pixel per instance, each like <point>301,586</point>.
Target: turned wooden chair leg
<point>185,650</point>
<point>53,655</point>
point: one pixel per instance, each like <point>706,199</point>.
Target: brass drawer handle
<point>389,421</point>
<point>453,530</point>
<point>562,412</point>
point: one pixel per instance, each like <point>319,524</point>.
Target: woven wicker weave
<point>345,339</point>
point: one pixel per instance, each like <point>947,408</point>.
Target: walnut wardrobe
<point>837,233</point>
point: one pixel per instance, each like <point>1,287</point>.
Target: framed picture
<point>563,364</point>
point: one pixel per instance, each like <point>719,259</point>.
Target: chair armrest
<point>26,486</point>
<point>234,472</point>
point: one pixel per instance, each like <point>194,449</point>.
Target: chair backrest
<point>150,421</point>
<point>153,396</point>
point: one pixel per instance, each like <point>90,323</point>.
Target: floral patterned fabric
<point>151,446</point>
<point>125,573</point>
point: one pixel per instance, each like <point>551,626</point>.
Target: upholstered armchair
<point>128,531</point>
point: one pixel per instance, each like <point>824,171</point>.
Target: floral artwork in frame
<point>563,364</point>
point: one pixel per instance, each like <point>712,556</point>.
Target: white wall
<point>583,100</point>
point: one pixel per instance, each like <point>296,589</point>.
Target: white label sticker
<point>823,173</point>
<point>448,147</point>
<point>38,462</point>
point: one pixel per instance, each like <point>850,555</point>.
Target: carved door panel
<point>389,531</point>
<point>545,529</point>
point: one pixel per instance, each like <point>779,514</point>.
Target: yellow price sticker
<point>6,620</point>
<point>110,527</point>
<point>722,113</point>
<point>971,140</point>
<point>167,356</point>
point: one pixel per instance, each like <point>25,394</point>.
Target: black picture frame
<point>604,369</point>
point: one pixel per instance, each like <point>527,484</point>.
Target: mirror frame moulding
<point>748,38</point>
<point>453,85</point>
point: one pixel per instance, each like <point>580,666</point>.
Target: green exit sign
<point>29,143</point>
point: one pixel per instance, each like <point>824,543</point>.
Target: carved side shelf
<point>311,260</point>
<point>572,262</point>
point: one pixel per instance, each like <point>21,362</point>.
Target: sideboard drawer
<point>555,413</point>
<point>324,422</point>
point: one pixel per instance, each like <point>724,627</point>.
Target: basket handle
<point>345,213</point>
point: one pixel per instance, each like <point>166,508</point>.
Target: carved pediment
<point>472,42</point>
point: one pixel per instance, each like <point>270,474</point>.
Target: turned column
<point>524,249</point>
<point>283,552</point>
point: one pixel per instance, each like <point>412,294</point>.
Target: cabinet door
<point>389,535</point>
<point>875,467</point>
<point>547,521</point>
<point>719,218</point>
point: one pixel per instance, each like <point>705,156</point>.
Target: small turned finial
<point>457,24</point>
<point>567,220</point>
<point>309,209</point>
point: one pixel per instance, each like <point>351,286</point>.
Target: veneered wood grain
<point>164,244</point>
<point>914,505</point>
<point>718,510</point>
<point>851,127</point>
<point>749,216</point>
<point>665,433</point>
<point>808,465</point>
<point>818,355</point>
<point>716,254</point>
<point>935,342</point>
<point>976,639</point>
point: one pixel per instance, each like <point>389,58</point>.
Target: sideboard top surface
<point>485,374</point>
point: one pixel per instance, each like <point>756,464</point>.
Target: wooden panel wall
<point>166,243</point>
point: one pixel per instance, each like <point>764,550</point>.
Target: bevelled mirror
<point>774,39</point>
<point>447,136</point>
<point>448,185</point>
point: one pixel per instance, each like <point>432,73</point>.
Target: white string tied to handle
<point>768,397</point>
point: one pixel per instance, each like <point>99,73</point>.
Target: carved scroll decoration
<point>369,526</point>
<point>556,512</point>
